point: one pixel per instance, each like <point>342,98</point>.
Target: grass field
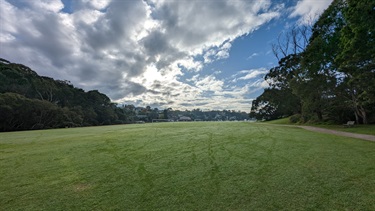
<point>185,166</point>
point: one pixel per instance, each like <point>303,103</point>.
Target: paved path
<point>340,133</point>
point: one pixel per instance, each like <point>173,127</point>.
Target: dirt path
<point>340,133</point>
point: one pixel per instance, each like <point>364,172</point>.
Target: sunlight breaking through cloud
<point>138,51</point>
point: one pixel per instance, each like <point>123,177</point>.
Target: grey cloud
<point>168,17</point>
<point>201,104</point>
<point>162,105</point>
<point>137,67</point>
<point>187,104</point>
<point>134,88</point>
<point>231,18</point>
<point>50,38</point>
<point>87,72</point>
<point>158,44</point>
<point>194,104</point>
<point>156,85</point>
<point>106,53</point>
<point>162,89</point>
<point>153,92</point>
<point>126,88</point>
<point>117,25</point>
<point>169,94</point>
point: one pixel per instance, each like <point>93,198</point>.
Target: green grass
<point>185,166</point>
<point>283,121</point>
<point>361,129</point>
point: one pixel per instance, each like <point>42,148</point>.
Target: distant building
<point>184,119</point>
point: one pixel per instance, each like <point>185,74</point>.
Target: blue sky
<point>207,54</point>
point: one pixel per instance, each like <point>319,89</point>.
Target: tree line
<point>29,101</point>
<point>326,72</point>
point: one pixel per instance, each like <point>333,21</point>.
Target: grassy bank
<point>185,166</point>
<point>361,129</point>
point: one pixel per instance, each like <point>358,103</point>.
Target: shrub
<point>296,118</point>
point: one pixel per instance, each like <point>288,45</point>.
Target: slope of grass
<point>361,129</point>
<point>185,166</point>
<point>282,121</point>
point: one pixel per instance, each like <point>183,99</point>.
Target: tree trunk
<point>363,115</point>
<point>320,115</point>
<point>361,112</point>
<point>356,117</point>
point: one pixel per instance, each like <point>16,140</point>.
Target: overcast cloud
<point>138,51</point>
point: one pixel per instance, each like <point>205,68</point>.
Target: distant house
<point>184,119</point>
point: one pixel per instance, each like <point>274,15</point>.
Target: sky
<point>180,54</point>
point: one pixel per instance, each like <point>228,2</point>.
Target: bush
<point>118,122</point>
<point>296,118</point>
<point>107,122</point>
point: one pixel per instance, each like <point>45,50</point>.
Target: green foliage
<point>296,118</point>
<point>30,101</point>
<point>185,166</point>
<point>21,113</point>
<point>357,58</point>
<point>278,100</point>
<point>274,103</point>
<point>334,77</point>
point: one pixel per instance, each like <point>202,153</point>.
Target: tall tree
<point>319,71</point>
<point>335,74</point>
<point>357,57</point>
<point>274,103</point>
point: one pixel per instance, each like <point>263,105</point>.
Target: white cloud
<point>86,16</point>
<point>210,83</point>
<point>98,4</point>
<point>213,22</point>
<point>226,46</point>
<point>49,5</point>
<point>216,53</point>
<point>260,83</point>
<point>252,56</point>
<point>208,56</point>
<point>90,4</point>
<point>7,19</point>
<point>250,74</point>
<point>131,50</point>
<point>222,54</point>
<point>309,10</point>
<point>190,64</point>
